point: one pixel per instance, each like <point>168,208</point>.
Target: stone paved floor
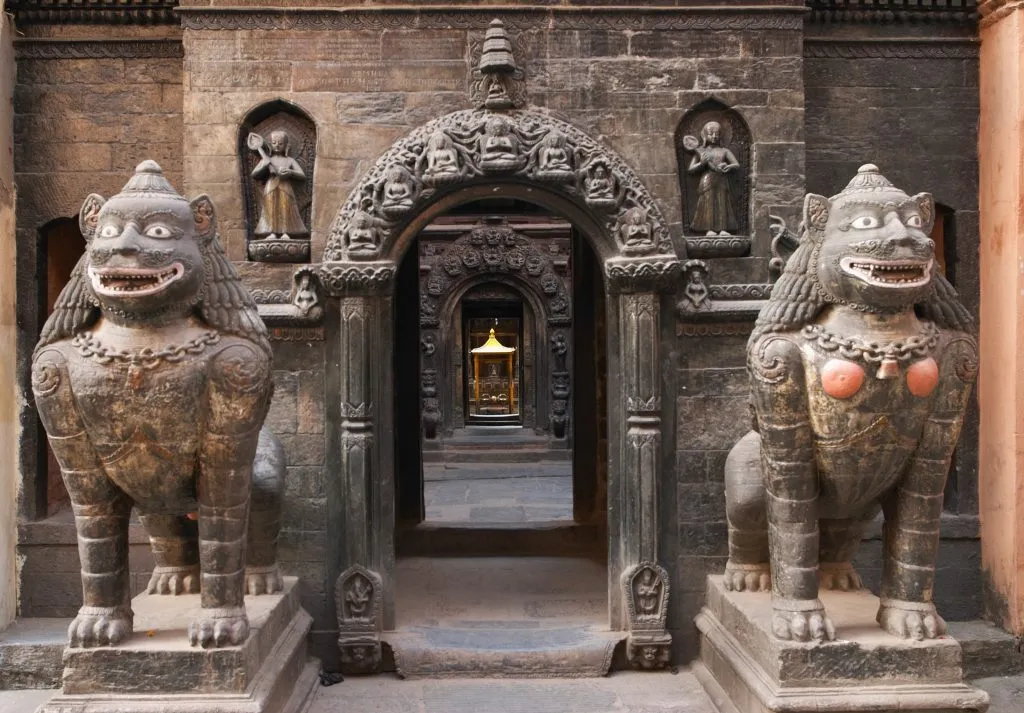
<point>497,493</point>
<point>625,692</point>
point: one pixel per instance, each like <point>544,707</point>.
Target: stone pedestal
<point>157,671</point>
<point>865,669</point>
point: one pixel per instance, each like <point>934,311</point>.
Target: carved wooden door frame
<point>360,379</point>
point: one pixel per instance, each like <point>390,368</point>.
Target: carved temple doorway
<point>400,336</point>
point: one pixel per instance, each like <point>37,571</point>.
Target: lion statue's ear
<point>89,216</point>
<point>926,206</point>
<point>815,213</point>
<point>205,217</point>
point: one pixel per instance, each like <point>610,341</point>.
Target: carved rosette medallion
<point>357,599</point>
<point>646,589</point>
<point>475,146</point>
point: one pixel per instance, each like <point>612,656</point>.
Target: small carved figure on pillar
<point>861,366</point>
<point>279,211</point>
<point>153,378</point>
<point>714,213</point>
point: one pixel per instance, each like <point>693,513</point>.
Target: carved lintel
<point>357,278</point>
<point>732,246</point>
<point>645,587</point>
<point>282,250</point>
<point>304,306</point>
<point>471,147</point>
<point>652,272</point>
<point>358,599</point>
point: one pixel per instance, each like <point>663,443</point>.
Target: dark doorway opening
<point>492,331</point>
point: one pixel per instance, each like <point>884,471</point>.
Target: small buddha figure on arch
<point>635,232</point>
<point>713,214</point>
<point>499,147</point>
<point>599,186</point>
<point>279,209</point>
<point>361,236</point>
<point>442,159</point>
<point>553,156</point>
<point>399,191</point>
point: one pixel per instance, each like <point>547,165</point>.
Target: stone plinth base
<point>157,671</point>
<point>865,669</point>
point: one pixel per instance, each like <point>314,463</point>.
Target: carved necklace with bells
<point>887,355</point>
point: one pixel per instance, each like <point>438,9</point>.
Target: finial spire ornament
<point>499,85</point>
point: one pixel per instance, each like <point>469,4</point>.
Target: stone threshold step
<point>503,649</point>
<point>541,539</point>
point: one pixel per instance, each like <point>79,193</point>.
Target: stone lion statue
<point>152,378</point>
<point>861,365</point>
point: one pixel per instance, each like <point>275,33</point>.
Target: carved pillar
<point>1001,401</point>
<point>360,462</point>
<point>635,438</point>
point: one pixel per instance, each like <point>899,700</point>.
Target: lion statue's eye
<point>914,221</point>
<point>866,222</point>
<point>110,231</point>
<point>158,231</point>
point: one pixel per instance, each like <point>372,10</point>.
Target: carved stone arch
<point>538,159</point>
<point>296,122</point>
<point>457,151</point>
<point>736,137</point>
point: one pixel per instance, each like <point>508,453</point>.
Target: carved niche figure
<point>279,210</point>
<point>362,236</point>
<point>399,191</point>
<point>553,154</point>
<point>861,365</point>
<point>442,160</point>
<point>152,378</point>
<point>499,147</point>
<point>713,214</point>
<point>599,186</point>
<point>695,279</point>
<point>635,232</point>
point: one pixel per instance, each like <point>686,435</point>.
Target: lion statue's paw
<point>911,620</point>
<point>807,624</point>
<point>747,577</point>
<point>174,580</point>
<point>216,628</point>
<point>100,626</point>
<point>841,576</point>
<point>263,580</point>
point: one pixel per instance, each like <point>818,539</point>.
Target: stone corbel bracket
<point>357,598</point>
<point>305,305</point>
<point>645,588</point>
<point>653,272</point>
<point>348,278</point>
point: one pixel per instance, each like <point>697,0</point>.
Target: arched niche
<point>278,218</point>
<point>716,202</point>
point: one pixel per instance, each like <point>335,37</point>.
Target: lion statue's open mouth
<point>888,273</point>
<point>135,281</point>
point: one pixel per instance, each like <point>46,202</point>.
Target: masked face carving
<point>144,254</point>
<point>875,250</point>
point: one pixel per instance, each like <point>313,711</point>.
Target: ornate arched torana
<point>494,253</point>
<point>458,158</point>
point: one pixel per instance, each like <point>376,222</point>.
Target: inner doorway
<point>502,536</point>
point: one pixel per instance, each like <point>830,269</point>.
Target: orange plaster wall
<point>1000,384</point>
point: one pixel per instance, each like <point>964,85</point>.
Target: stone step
<point>538,539</point>
<point>502,649</point>
<point>988,650</point>
<point>520,454</point>
<point>30,653</point>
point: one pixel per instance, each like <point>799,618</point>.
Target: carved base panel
<point>290,250</point>
<point>156,671</point>
<point>864,669</point>
<point>722,246</point>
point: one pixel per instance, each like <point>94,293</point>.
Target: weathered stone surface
<point>864,669</point>
<point>158,671</point>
